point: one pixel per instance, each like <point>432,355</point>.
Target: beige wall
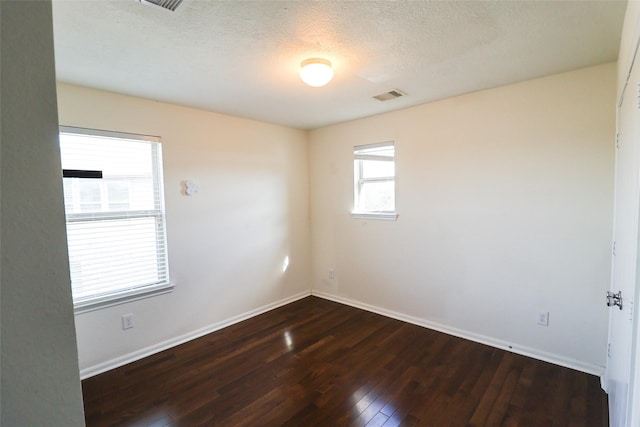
<point>40,381</point>
<point>227,244</point>
<point>504,199</point>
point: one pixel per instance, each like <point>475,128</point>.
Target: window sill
<point>388,216</point>
<point>90,304</point>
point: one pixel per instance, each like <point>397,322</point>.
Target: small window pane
<point>118,194</point>
<point>377,197</point>
<point>374,178</point>
<point>90,198</point>
<point>377,169</point>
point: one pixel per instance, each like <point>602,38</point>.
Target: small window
<point>374,181</point>
<point>115,224</point>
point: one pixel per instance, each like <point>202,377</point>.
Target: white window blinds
<point>115,224</point>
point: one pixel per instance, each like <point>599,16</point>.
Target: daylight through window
<point>115,224</point>
<point>374,179</point>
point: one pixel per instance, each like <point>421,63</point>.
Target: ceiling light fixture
<point>316,72</point>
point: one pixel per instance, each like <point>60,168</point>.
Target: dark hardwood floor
<point>316,362</point>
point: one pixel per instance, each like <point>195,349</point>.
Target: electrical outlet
<point>127,321</point>
<point>543,318</point>
<point>331,274</point>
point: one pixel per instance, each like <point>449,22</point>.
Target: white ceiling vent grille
<point>171,5</point>
<point>392,94</point>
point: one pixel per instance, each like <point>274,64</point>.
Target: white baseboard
<point>482,339</point>
<point>525,351</point>
<point>156,348</point>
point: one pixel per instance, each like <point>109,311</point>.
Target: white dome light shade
<point>316,72</point>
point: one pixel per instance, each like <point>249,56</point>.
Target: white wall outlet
<point>127,321</point>
<point>331,274</point>
<point>543,318</point>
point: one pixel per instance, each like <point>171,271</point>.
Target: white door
<point>625,263</point>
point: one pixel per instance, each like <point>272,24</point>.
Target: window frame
<point>359,181</point>
<point>134,292</point>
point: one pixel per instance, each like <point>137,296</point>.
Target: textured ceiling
<point>243,57</point>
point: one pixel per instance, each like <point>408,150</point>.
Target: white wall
<point>504,199</point>
<point>505,204</point>
<point>227,244</point>
<point>40,381</point>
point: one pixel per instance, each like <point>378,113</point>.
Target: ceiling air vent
<point>171,5</point>
<point>392,94</point>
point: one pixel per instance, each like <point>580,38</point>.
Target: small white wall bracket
<point>191,188</point>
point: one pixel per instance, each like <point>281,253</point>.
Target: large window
<point>115,216</point>
<point>374,181</point>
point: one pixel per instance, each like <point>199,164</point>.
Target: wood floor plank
<point>318,363</point>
